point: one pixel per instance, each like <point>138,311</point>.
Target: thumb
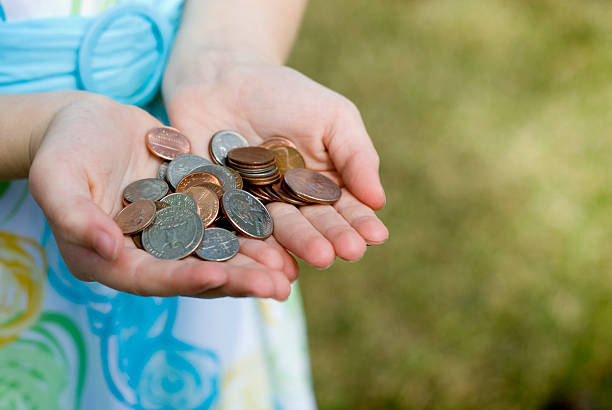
<point>67,203</point>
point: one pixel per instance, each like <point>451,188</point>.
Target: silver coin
<point>163,170</point>
<point>175,234</point>
<point>218,245</point>
<point>227,178</point>
<point>184,165</point>
<point>152,189</point>
<point>223,142</point>
<point>179,199</point>
<point>247,214</point>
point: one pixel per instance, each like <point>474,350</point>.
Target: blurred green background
<point>492,121</point>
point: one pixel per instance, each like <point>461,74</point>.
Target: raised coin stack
<point>182,211</point>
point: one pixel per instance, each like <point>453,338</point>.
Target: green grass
<point>493,123</point>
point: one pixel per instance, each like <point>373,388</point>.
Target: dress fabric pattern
<point>67,344</point>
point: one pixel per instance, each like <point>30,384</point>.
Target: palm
<point>262,101</point>
<point>89,155</point>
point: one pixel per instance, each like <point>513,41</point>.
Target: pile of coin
<point>195,207</point>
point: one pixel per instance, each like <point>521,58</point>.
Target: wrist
<point>206,65</point>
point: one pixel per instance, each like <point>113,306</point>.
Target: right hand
<point>91,151</point>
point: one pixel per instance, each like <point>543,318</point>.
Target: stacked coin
<point>174,216</point>
<point>273,171</point>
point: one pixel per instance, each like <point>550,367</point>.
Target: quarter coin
<point>218,245</point>
<point>167,143</point>
<point>247,214</point>
<point>149,188</point>
<point>176,233</point>
<point>182,166</point>
<point>223,142</point>
<point>180,199</point>
<point>312,186</point>
<point>136,216</point>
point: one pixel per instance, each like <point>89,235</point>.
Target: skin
<point>80,150</point>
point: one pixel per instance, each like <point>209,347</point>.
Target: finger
<point>290,266</point>
<point>354,156</point>
<point>137,272</point>
<point>246,277</point>
<point>362,218</point>
<point>296,234</point>
<point>64,196</point>
<point>347,242</point>
<point>261,252</point>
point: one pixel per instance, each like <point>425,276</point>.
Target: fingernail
<point>105,245</point>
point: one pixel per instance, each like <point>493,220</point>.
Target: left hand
<point>230,90</point>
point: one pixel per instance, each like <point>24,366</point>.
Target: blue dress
<point>67,344</point>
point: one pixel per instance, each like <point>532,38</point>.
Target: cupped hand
<point>262,100</point>
<point>91,151</point>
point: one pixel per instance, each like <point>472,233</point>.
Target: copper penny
<point>239,182</point>
<point>286,196</point>
<point>287,158</point>
<point>137,239</point>
<point>312,186</point>
<point>207,201</point>
<point>167,143</point>
<point>136,216</point>
<point>195,179</point>
<point>277,141</point>
<point>161,205</point>
<point>251,156</point>
<point>219,191</point>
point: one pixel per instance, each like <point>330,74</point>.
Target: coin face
<point>167,143</point>
<point>277,141</point>
<point>287,158</point>
<point>207,203</point>
<point>163,171</point>
<point>227,178</point>
<point>196,178</point>
<point>312,186</point>
<point>247,214</point>
<point>223,142</point>
<point>180,199</point>
<point>217,189</point>
<point>175,234</point>
<point>218,245</point>
<point>136,216</point>
<point>182,166</point>
<point>152,189</point>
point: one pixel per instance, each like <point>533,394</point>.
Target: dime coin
<point>223,142</point>
<point>149,188</point>
<point>248,157</point>
<point>287,158</point>
<point>163,171</point>
<point>167,142</point>
<point>227,178</point>
<point>195,179</point>
<point>184,165</point>
<point>175,234</point>
<point>136,216</point>
<point>248,215</point>
<point>180,199</point>
<point>218,245</point>
<point>277,141</point>
<point>312,186</point>
<point>207,203</point>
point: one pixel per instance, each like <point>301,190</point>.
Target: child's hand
<point>259,100</point>
<point>93,149</point>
